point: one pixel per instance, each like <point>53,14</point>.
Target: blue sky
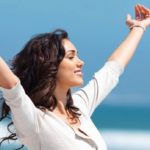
<point>95,27</point>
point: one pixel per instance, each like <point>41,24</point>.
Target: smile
<point>78,72</point>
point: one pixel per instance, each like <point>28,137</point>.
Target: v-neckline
<point>77,130</point>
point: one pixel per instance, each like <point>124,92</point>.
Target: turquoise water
<point>131,118</point>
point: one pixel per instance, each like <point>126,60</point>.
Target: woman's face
<point>70,69</point>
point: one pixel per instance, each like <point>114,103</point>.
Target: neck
<point>61,96</point>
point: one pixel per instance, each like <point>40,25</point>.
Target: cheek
<point>66,67</point>
<point>67,77</point>
<point>65,72</point>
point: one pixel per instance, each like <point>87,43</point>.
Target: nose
<point>80,62</point>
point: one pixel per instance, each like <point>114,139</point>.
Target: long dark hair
<point>36,65</point>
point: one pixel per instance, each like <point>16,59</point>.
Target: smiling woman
<point>70,67</point>
<point>37,89</point>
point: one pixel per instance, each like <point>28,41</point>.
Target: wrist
<point>138,26</point>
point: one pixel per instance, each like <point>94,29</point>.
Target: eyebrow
<point>72,51</point>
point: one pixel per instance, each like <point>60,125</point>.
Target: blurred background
<point>96,28</point>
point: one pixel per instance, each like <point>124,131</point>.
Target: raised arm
<point>107,78</point>
<point>20,104</point>
<point>127,48</point>
<point>7,78</point>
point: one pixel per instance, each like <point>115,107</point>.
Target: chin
<point>79,83</point>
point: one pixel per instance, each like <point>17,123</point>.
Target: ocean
<point>123,128</point>
<point>122,117</point>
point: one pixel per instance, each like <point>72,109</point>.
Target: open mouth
<point>78,72</point>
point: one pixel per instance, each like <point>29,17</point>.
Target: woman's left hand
<point>142,17</point>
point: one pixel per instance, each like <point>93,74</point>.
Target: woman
<point>45,114</point>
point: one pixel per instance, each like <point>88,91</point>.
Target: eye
<point>71,57</point>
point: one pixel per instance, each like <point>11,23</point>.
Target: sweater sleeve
<point>102,83</point>
<point>24,113</point>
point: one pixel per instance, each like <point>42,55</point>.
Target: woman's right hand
<point>7,77</point>
<point>142,17</point>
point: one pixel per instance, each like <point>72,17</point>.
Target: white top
<point>46,131</point>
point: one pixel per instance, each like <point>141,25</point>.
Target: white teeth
<point>78,73</point>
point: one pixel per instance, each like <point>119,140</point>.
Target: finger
<point>137,13</point>
<point>129,20</point>
<point>146,10</point>
<point>141,12</point>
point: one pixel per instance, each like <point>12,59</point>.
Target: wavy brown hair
<point>36,65</point>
